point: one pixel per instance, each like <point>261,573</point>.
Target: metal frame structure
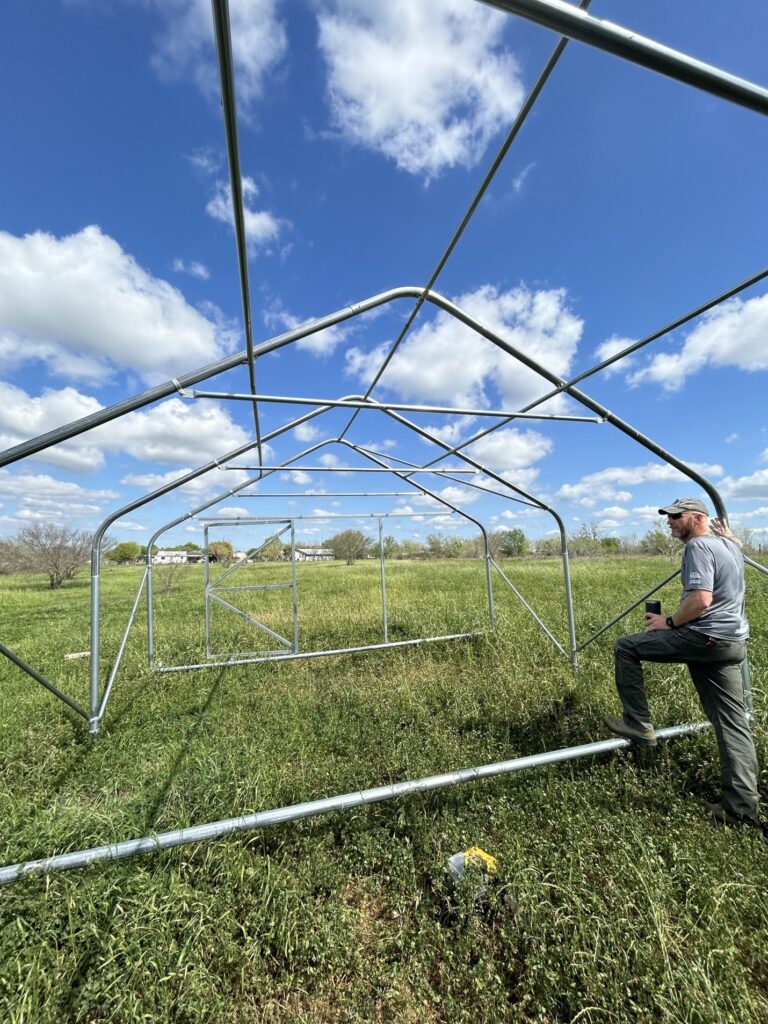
<point>290,647</point>
<point>571,23</point>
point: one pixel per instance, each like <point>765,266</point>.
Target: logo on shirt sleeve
<point>695,578</point>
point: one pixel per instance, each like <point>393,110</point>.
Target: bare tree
<point>54,550</point>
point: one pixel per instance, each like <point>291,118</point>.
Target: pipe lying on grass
<point>217,829</point>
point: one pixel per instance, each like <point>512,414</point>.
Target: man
<point>708,633</point>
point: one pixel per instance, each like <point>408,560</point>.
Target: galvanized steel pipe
<point>311,808</point>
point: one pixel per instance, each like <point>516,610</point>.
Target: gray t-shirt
<point>716,564</point>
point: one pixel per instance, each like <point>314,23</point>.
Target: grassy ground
<point>615,900</point>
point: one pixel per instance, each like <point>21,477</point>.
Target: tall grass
<point>616,899</point>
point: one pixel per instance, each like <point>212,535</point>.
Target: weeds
<point>615,901</point>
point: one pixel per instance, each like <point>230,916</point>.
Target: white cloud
<point>306,432</point>
<point>171,432</point>
<point>605,485</point>
<point>753,486</point>
<point>42,498</point>
<point>459,496</point>
<point>298,476</point>
<point>447,522</point>
<point>444,361</point>
<point>186,47</point>
<point>331,461</point>
<point>732,334</point>
<point>452,432</point>
<point>215,481</point>
<point>519,180</point>
<point>207,160</point>
<point>648,512</point>
<point>19,485</point>
<point>127,524</point>
<point>23,416</point>
<point>735,437</point>
<point>613,512</point>
<point>194,267</point>
<point>261,227</point>
<point>508,449</point>
<point>757,513</point>
<point>175,432</point>
<point>83,306</point>
<point>385,445</point>
<point>323,343</point>
<point>426,84</point>
<point>231,510</point>
<point>609,348</point>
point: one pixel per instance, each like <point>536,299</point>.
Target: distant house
<point>314,555</point>
<point>240,555</point>
<point>170,557</point>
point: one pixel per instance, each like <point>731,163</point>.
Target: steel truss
<point>573,23</point>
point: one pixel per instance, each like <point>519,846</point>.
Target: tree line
<point>60,553</point>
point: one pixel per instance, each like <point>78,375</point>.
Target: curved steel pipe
<point>622,42</point>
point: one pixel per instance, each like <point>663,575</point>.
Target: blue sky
<point>365,128</point>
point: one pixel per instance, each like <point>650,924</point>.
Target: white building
<point>165,557</point>
<point>314,555</point>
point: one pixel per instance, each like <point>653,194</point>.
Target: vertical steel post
<point>568,594</point>
<point>489,581</point>
<point>150,612</point>
<point>383,581</point>
<point>94,701</point>
<point>206,590</point>
<point>294,590</point>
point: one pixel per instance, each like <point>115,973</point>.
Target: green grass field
<point>615,900</point>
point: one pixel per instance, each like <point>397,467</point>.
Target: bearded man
<point>708,633</point>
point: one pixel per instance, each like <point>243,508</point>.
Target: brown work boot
<point>646,737</point>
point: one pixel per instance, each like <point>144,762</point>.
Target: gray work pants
<point>715,668</point>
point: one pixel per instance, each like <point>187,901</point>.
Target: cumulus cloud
<point>446,362</point>
<point>306,432</point>
<point>609,348</point>
<point>508,449</point>
<point>42,498</point>
<point>202,488</point>
<point>84,307</point>
<point>459,496</point>
<point>755,485</point>
<point>732,334</point>
<point>186,47</point>
<point>610,484</point>
<point>23,416</point>
<point>175,432</point>
<point>323,343</point>
<point>261,227</point>
<point>298,476</point>
<point>331,461</point>
<point>194,267</point>
<point>451,432</point>
<point>171,432</point>
<point>127,524</point>
<point>615,512</point>
<point>757,513</point>
<point>426,84</point>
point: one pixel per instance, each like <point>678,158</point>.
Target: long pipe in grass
<point>344,802</point>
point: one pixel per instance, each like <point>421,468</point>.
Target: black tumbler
<point>653,606</point>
